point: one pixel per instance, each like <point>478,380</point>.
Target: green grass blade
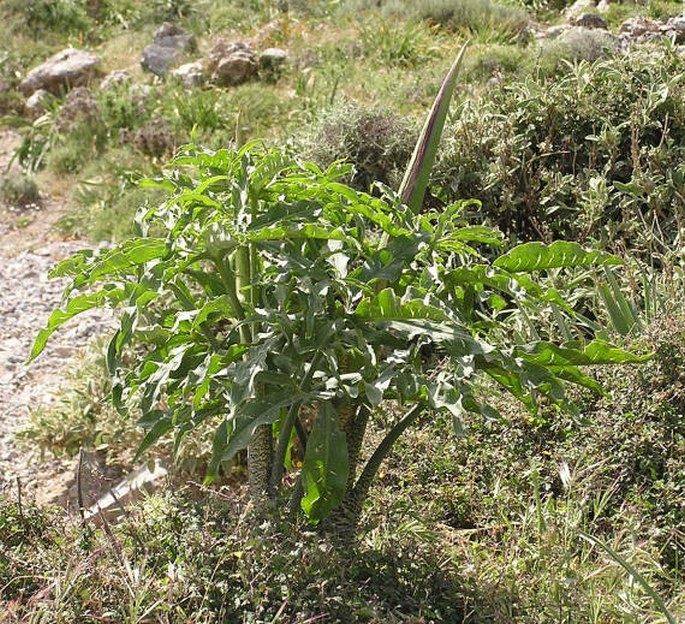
<point>651,592</point>
<point>416,178</point>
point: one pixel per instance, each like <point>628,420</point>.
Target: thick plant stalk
<point>345,522</point>
<point>355,431</point>
<point>259,458</point>
<point>260,449</point>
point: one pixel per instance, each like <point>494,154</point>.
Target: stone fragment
<point>63,71</point>
<point>170,43</point>
<point>675,28</point>
<point>638,26</point>
<point>579,7</point>
<point>115,79</point>
<point>191,75</point>
<point>272,58</point>
<point>79,106</point>
<point>36,104</point>
<point>590,20</point>
<point>231,63</point>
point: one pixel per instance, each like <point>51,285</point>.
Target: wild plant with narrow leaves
<point>263,290</point>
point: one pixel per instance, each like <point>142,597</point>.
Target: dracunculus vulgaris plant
<point>263,290</point>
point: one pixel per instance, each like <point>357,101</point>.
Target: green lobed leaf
<point>570,354</point>
<point>537,256</point>
<point>75,306</point>
<point>326,466</point>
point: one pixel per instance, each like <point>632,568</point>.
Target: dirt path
<point>26,299</point>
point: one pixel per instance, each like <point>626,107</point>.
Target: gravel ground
<point>26,299</point>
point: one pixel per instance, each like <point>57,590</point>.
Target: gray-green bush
<point>593,153</point>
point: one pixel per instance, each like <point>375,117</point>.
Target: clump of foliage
<point>26,533</point>
<point>489,526</point>
<point>184,558</point>
<point>592,154</point>
<point>578,44</point>
<point>484,18</point>
<point>375,141</point>
<point>18,189</point>
<point>273,291</point>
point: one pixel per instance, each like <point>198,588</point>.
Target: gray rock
<point>675,28</point>
<point>638,26</point>
<point>272,58</point>
<point>36,104</point>
<point>115,79</point>
<point>579,7</point>
<point>272,62</point>
<point>65,70</point>
<point>79,105</point>
<point>590,20</point>
<point>171,43</point>
<point>168,29</point>
<point>191,75</point>
<point>234,70</point>
<point>603,6</point>
<point>676,23</point>
<point>231,63</point>
<point>159,59</point>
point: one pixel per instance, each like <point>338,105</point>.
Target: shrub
<point>66,17</point>
<point>594,153</point>
<point>578,44</point>
<point>18,189</point>
<point>480,17</point>
<point>375,141</point>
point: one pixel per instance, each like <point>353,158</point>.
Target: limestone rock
<point>78,106</point>
<point>590,20</point>
<point>170,43</point>
<point>675,27</point>
<point>191,75</point>
<point>35,105</point>
<point>231,64</point>
<point>65,70</point>
<point>115,79</point>
<point>579,7</point>
<point>638,26</point>
<point>272,58</point>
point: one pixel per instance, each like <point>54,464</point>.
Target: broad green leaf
<point>387,306</point>
<point>75,306</point>
<point>326,466</point>
<point>132,253</point>
<point>162,426</point>
<point>250,416</point>
<point>416,178</point>
<point>596,352</point>
<point>601,352</point>
<point>537,256</point>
